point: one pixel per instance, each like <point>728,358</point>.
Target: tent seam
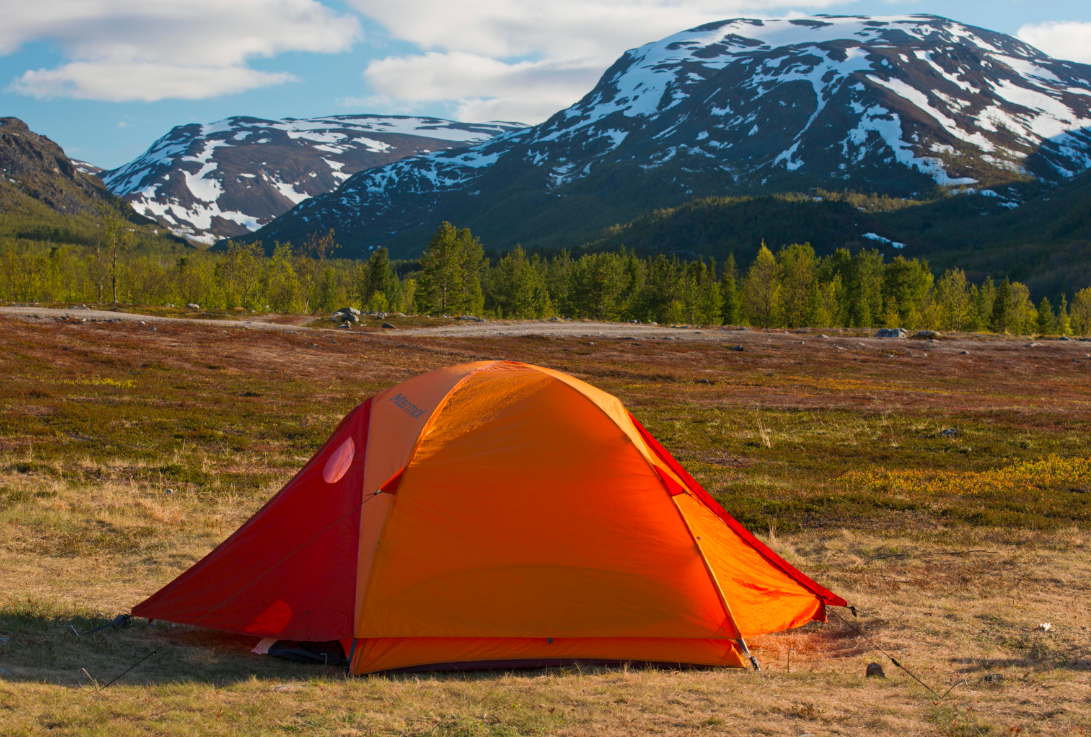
<point>412,454</point>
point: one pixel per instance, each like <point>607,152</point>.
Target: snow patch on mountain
<point>234,175</point>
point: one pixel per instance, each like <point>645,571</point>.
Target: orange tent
<point>495,514</point>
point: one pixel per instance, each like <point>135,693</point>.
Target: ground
<point>943,488</point>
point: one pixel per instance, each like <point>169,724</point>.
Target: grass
<point>956,547</point>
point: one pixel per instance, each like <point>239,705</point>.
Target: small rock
<point>388,326</point>
<point>1065,338</point>
<point>874,670</point>
<point>345,326</point>
<point>191,306</point>
<point>554,319</point>
<point>823,335</point>
<point>143,323</point>
<point>892,333</point>
<point>736,348</point>
<point>1043,627</point>
<point>993,678</point>
<point>1034,345</point>
<point>169,491</point>
<point>951,432</point>
<point>153,327</point>
<point>927,334</point>
<point>705,381</point>
<point>964,353</point>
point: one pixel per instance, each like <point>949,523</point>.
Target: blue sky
<point>105,79</point>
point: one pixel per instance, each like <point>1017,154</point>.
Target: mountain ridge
<point>229,177</point>
<point>901,105</point>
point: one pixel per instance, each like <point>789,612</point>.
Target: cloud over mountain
<point>522,59</point>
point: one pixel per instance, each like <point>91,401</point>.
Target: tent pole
<point>719,590</point>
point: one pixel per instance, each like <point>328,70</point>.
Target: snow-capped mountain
<point>231,177</point>
<point>895,105</point>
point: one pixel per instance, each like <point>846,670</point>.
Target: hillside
<point>228,178</point>
<point>47,199</point>
<point>1045,243</point>
<point>35,173</point>
<point>901,106</point>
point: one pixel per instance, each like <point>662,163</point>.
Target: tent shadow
<point>46,650</point>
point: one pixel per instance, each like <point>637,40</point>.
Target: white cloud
<point>148,50</point>
<point>525,59</point>
<point>481,87</point>
<point>1068,40</point>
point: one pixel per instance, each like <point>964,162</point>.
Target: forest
<point>790,288</point>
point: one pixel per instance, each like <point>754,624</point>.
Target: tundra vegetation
<point>793,287</point>
<point>943,488</point>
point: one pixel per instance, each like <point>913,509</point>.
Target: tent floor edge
<point>536,663</point>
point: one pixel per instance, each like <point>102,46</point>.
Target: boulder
<point>388,326</point>
<point>927,334</point>
<point>892,333</point>
<point>348,311</point>
<point>192,306</point>
<point>874,670</point>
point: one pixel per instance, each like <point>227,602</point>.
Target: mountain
<point>901,106</point>
<point>34,169</point>
<point>228,178</point>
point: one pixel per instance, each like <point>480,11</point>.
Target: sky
<point>106,78</point>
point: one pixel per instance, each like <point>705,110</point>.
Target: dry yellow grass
<point>950,605</point>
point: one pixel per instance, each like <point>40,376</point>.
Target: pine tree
<point>954,300</point>
<point>1081,312</point>
<point>729,292</point>
<point>796,266</point>
<point>1064,322</point>
<point>1001,319</point>
<point>865,289</point>
<point>381,281</point>
<point>1046,323</point>
<point>983,299</point>
<point>441,286</point>
<point>761,292</point>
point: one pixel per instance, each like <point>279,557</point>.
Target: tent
<point>495,514</point>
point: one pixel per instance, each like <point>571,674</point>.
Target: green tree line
<point>791,288</point>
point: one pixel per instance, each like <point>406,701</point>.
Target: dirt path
<point>89,315</point>
<point>742,337</point>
